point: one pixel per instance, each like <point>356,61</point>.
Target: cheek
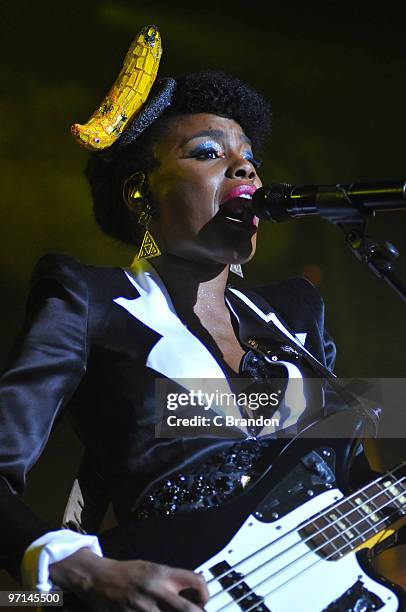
<point>187,199</point>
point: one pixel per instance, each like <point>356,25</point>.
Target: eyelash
<point>202,155</point>
<point>257,163</point>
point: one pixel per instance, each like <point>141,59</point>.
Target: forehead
<point>182,128</point>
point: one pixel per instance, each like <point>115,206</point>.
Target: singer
<point>172,176</point>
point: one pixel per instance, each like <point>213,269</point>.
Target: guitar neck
<point>356,521</point>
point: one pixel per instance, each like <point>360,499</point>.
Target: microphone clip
<point>379,259</point>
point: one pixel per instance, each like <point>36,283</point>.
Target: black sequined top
<point>224,474</point>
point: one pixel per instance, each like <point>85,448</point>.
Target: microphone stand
<point>352,220</point>
<point>347,207</point>
<point>379,259</point>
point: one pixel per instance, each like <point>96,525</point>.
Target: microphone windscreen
<point>270,202</point>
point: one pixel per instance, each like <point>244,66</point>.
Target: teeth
<point>247,196</point>
<point>234,219</point>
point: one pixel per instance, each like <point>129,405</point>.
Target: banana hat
<point>124,112</point>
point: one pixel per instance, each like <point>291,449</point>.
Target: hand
<point>107,585</point>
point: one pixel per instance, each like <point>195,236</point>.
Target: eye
<point>255,162</point>
<point>207,151</point>
<point>210,154</point>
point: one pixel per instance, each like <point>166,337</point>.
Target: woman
<point>96,339</point>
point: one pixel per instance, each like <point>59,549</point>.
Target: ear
<point>133,189</point>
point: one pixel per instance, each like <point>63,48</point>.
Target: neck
<point>194,287</point>
<point>362,518</point>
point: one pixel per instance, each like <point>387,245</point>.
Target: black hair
<point>213,92</point>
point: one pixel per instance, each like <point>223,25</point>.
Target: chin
<point>243,254</point>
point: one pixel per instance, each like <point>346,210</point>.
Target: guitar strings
<point>303,541</point>
<point>311,520</point>
<point>301,572</point>
<point>315,563</point>
<point>283,569</point>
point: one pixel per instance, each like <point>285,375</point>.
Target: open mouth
<point>238,211</point>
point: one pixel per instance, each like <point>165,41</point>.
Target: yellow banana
<point>126,96</point>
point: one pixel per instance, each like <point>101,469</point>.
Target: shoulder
<point>301,304</point>
<point>87,291</point>
<point>59,266</point>
<point>63,276</point>
<point>292,296</point>
<point>72,273</point>
<point>296,302</point>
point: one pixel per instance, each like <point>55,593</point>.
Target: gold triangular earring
<point>149,247</point>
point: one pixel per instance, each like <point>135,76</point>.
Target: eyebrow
<point>219,134</point>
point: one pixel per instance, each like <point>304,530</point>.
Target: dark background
<point>335,74</point>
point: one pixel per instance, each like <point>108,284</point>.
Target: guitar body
<point>253,551</point>
<point>287,584</point>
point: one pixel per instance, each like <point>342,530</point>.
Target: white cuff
<point>49,548</point>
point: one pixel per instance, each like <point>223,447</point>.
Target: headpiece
<point>124,113</point>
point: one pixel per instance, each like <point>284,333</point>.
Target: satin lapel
<point>270,319</point>
<point>256,322</point>
<point>178,354</point>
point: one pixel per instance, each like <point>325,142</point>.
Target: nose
<point>239,167</point>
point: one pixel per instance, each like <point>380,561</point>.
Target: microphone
<point>336,203</point>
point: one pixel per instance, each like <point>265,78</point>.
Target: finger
<point>141,603</point>
<point>173,601</point>
<point>190,580</point>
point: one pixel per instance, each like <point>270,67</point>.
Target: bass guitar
<point>294,540</point>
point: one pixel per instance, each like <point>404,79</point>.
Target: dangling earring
<point>149,247</point>
<point>237,269</point>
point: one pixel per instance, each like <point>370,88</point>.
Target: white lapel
<point>178,354</point>
<point>298,339</point>
<point>294,402</point>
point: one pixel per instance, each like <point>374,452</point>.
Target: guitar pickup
<point>234,585</point>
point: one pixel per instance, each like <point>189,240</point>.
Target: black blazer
<point>94,341</point>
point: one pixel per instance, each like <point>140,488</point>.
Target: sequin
<point>209,485</point>
<point>127,95</point>
<point>159,99</point>
<point>225,474</point>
